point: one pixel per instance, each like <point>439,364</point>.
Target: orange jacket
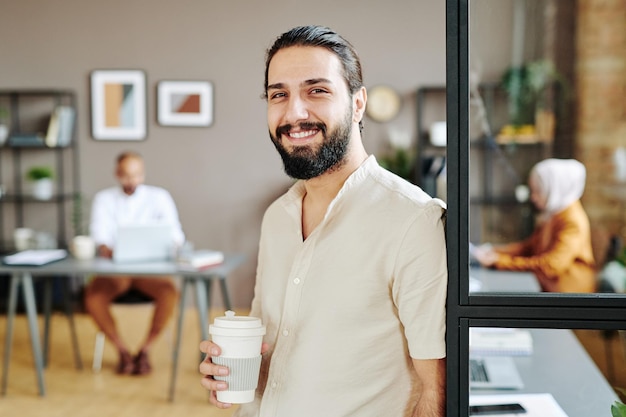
<point>558,252</point>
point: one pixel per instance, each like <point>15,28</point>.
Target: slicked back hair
<point>324,37</point>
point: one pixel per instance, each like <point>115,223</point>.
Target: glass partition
<point>522,104</point>
<point>556,372</point>
<point>488,162</point>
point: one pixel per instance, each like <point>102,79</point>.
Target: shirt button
<point>296,281</point>
<point>274,384</point>
<point>285,332</point>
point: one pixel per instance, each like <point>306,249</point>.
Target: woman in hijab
<point>559,250</point>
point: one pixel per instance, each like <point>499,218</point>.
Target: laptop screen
<point>143,243</point>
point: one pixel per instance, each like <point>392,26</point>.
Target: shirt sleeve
<point>420,284</point>
<point>552,263</point>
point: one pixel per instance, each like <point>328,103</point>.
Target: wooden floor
<point>84,393</point>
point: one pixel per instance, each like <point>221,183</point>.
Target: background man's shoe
<point>126,365</point>
<point>142,364</point>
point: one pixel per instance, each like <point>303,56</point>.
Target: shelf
<point>27,198</point>
<point>484,143</point>
<point>500,200</point>
<point>36,92</point>
<point>38,116</point>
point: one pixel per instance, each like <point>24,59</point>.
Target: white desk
<point>23,276</point>
<point>559,364</point>
<point>492,280</point>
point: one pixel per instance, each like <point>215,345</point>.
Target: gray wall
<point>224,176</point>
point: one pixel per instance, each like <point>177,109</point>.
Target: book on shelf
<point>52,134</point>
<point>26,140</point>
<point>494,341</point>
<point>199,259</point>
<point>60,127</point>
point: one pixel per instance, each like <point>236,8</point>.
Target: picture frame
<point>185,103</point>
<point>118,104</point>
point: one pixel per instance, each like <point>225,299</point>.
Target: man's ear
<point>359,100</point>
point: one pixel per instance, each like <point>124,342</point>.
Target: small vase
<point>4,133</point>
<point>43,189</point>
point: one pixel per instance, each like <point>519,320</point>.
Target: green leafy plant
<point>400,161</point>
<point>528,89</point>
<point>39,172</point>
<point>618,409</point>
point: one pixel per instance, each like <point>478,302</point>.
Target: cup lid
<point>229,324</point>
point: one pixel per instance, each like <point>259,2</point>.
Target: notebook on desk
<point>494,372</point>
<point>143,243</point>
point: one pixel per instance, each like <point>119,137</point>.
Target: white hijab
<point>562,180</point>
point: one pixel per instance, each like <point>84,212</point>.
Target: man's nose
<point>296,110</point>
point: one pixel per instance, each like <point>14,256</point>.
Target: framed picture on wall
<point>185,103</point>
<point>118,104</point>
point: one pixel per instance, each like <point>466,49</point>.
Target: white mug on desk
<point>23,238</point>
<point>83,247</point>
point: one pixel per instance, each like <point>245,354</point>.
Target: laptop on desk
<point>494,372</point>
<point>143,243</point>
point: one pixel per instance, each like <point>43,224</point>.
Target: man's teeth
<point>299,135</point>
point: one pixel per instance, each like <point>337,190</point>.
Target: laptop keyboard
<point>477,371</point>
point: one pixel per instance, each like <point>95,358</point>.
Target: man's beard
<point>306,162</point>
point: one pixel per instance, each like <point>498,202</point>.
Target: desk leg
<point>8,341</point>
<point>203,301</point>
<point>225,296</point>
<point>31,312</point>
<point>202,305</point>
<point>47,309</point>
<point>179,328</point>
<point>69,313</point>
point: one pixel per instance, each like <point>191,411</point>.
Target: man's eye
<point>318,91</point>
<point>277,95</point>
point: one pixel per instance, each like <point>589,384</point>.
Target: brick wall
<point>601,109</point>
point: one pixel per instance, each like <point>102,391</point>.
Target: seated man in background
<point>130,203</point>
<point>559,250</point>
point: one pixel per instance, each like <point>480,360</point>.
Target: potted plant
<point>41,176</point>
<point>531,98</point>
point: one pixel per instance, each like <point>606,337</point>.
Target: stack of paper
<point>35,257</point>
<point>491,341</point>
<point>200,259</point>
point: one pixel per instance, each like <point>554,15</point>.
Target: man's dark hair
<point>326,38</point>
<point>323,37</point>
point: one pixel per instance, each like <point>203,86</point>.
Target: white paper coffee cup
<point>240,339</point>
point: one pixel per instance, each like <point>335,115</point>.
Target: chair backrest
<point>133,296</point>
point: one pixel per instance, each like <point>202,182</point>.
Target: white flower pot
<point>4,133</point>
<point>43,189</point>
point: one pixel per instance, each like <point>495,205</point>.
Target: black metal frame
<point>544,310</point>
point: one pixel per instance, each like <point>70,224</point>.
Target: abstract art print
<point>118,105</point>
<point>185,103</point>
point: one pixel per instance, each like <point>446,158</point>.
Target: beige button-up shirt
<point>349,307</point>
